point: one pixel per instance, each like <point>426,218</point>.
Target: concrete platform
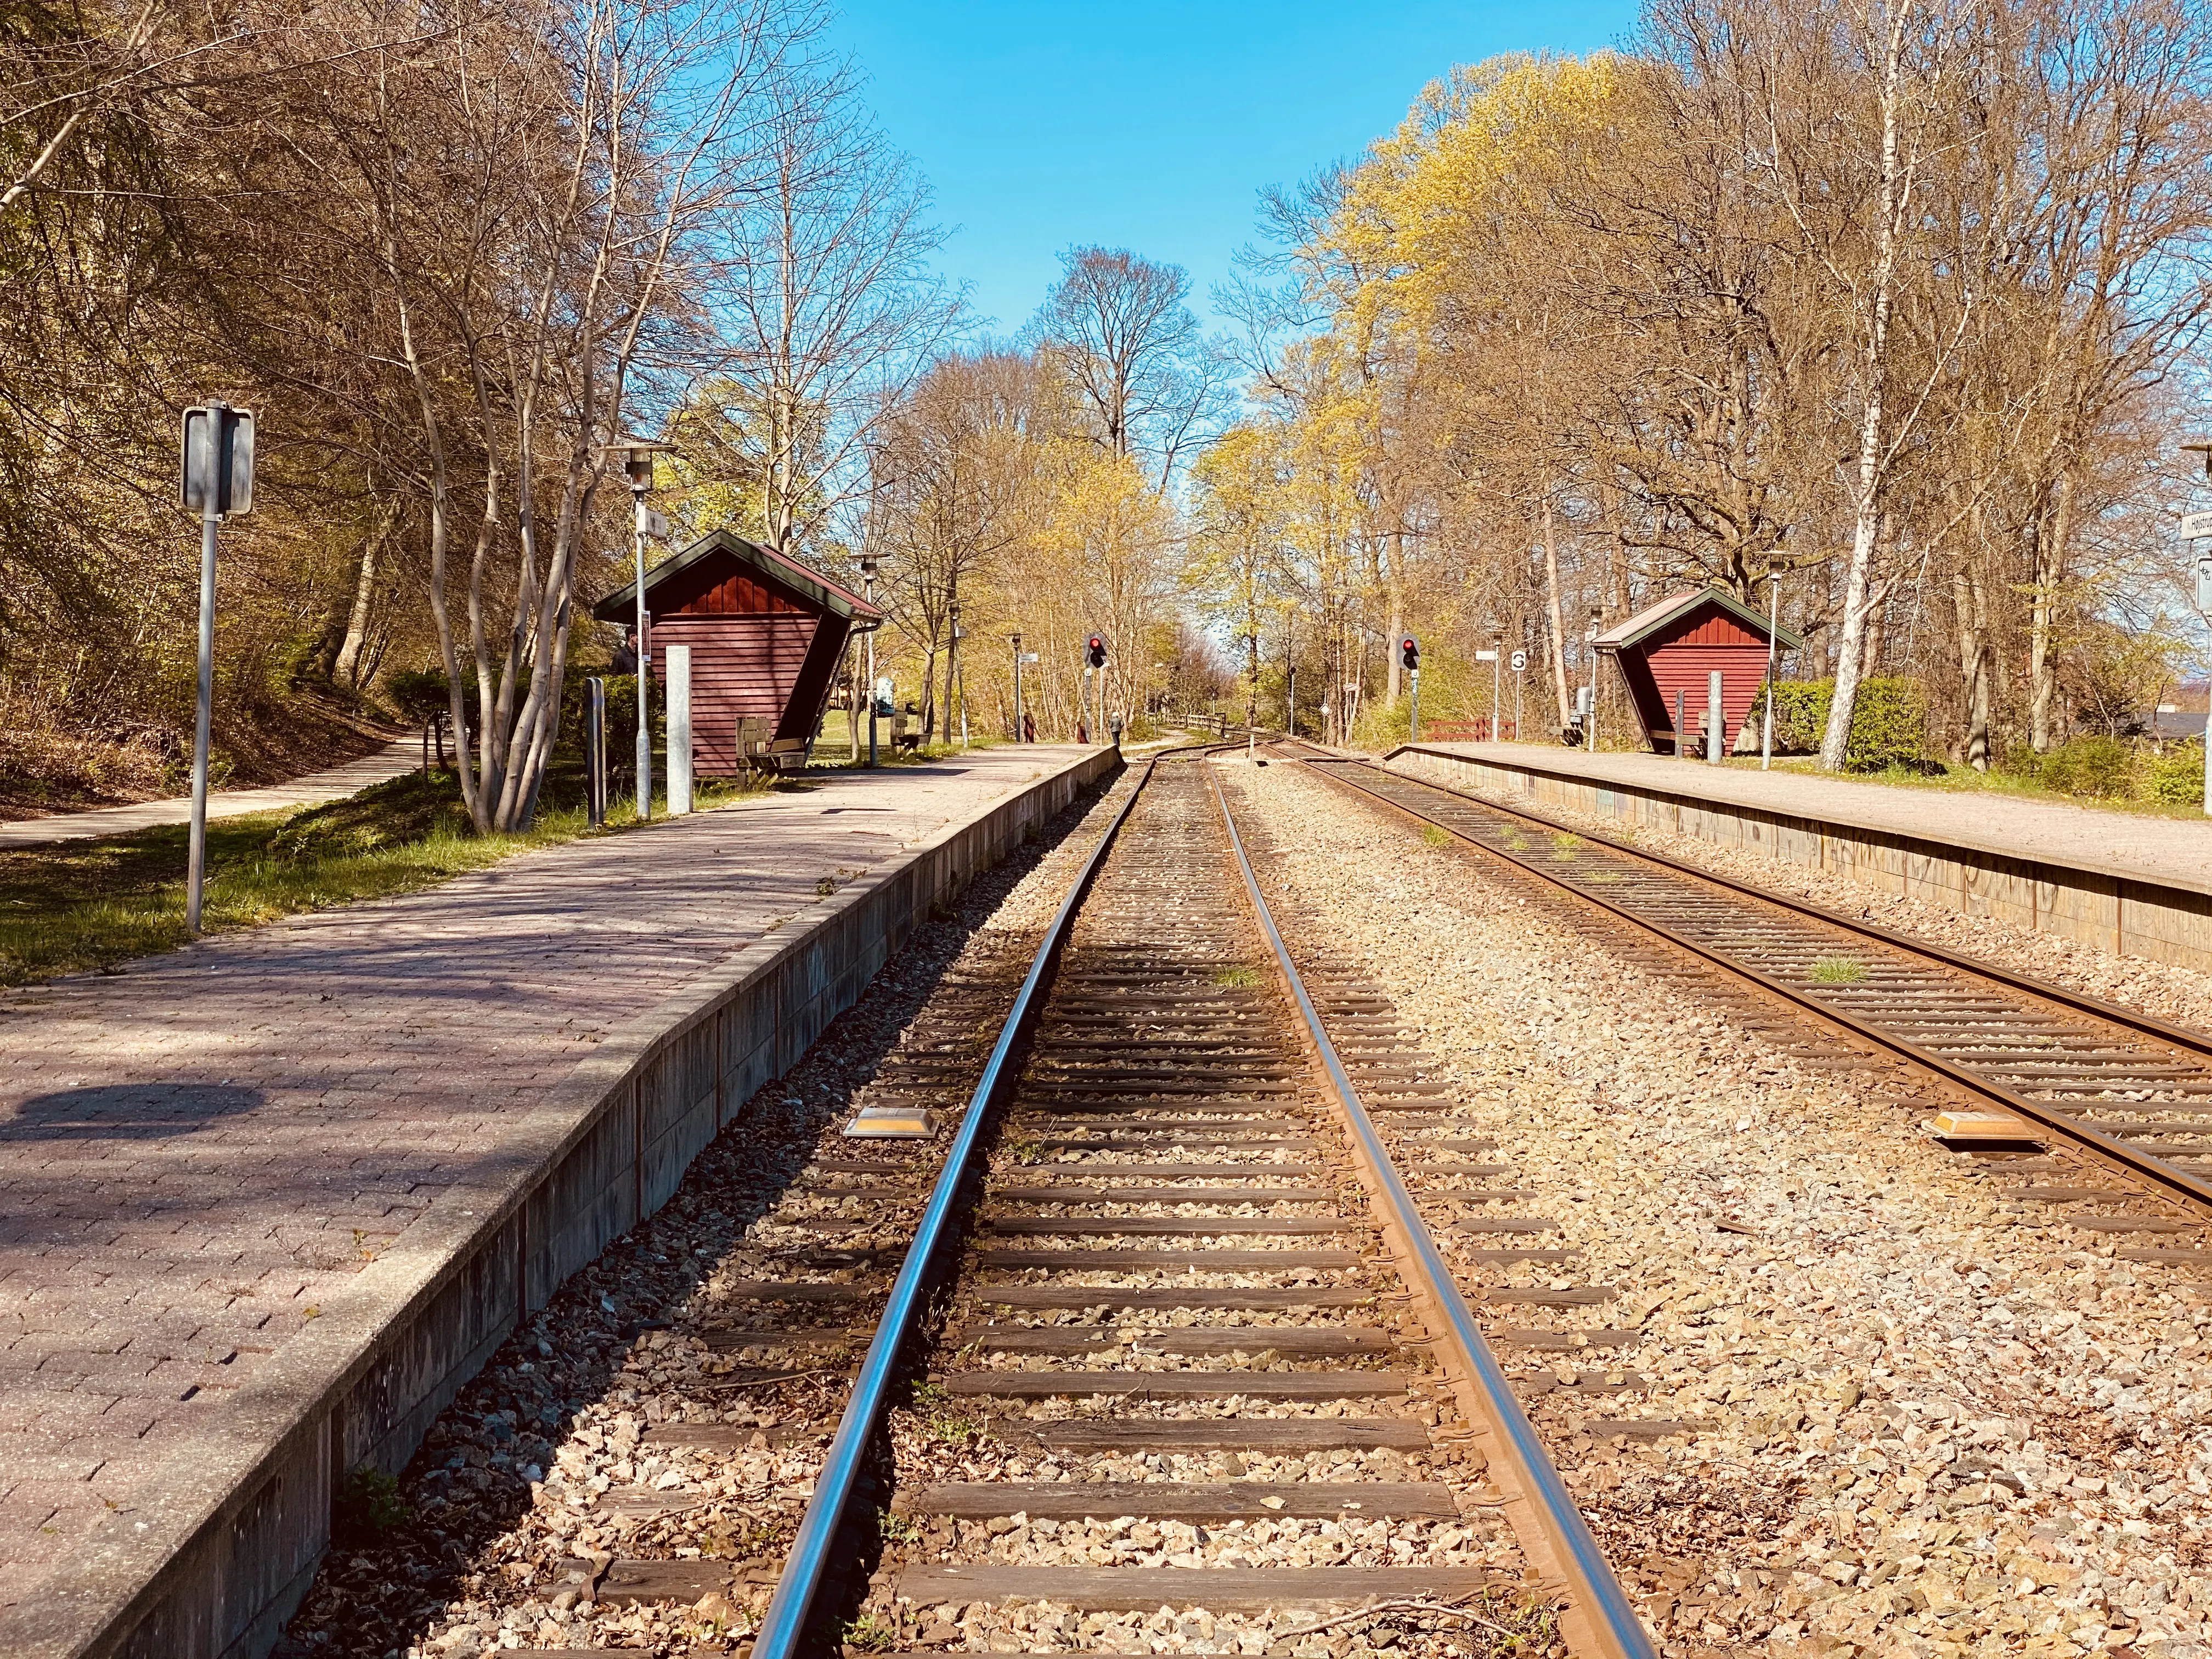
<point>271,1199</point>
<point>2138,886</point>
<point>335,784</point>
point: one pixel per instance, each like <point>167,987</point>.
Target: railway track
<point>2020,1065</point>
<point>1173,1339</point>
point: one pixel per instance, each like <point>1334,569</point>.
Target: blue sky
<point>1153,126</point>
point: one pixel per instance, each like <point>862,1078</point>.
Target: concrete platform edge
<point>217,1549</point>
<point>2126,913</point>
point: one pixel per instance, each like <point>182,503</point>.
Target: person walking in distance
<point>1028,727</point>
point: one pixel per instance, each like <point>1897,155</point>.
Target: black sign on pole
<point>215,479</point>
<point>216,443</point>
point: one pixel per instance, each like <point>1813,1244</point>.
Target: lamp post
<point>1773,626</point>
<point>959,675</point>
<point>868,592</point>
<point>1015,640</point>
<point>1589,737</point>
<point>2194,530</point>
<point>637,455</point>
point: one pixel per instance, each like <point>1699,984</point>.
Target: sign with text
<point>2196,525</point>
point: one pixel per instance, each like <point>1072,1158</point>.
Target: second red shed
<point>1676,645</point>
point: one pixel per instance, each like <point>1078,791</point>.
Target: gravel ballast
<point>1922,1417</point>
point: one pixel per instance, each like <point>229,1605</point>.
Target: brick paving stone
<point>186,1150</point>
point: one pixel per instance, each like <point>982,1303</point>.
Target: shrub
<point>1889,722</point>
<point>2089,767</point>
<point>1889,726</point>
<point>2178,776</point>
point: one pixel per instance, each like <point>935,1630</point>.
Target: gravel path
<point>1929,1420</point>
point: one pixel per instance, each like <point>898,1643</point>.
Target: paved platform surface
<point>2175,851</point>
<point>312,790</point>
<point>194,1155</point>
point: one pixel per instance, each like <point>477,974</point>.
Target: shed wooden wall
<point>1681,658</point>
<point>741,665</point>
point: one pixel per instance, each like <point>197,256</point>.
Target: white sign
<point>650,523</point>
<point>2195,525</point>
<point>2204,584</point>
<point>1519,661</point>
<point>1485,656</point>
<point>1029,656</point>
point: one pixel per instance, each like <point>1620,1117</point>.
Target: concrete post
<point>1717,722</point>
<point>679,729</point>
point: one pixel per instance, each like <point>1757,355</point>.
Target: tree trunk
<point>2050,550</point>
<point>1867,497</point>
<point>1394,580</point>
<point>1559,620</point>
<point>348,665</point>
<point>1973,607</point>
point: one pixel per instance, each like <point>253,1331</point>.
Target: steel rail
<point>1615,1626</point>
<point>2116,1153</point>
<point>784,1624</point>
<point>2080,1002</point>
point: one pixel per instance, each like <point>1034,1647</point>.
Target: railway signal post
<point>217,477</point>
<point>1094,657</point>
<point>1409,655</point>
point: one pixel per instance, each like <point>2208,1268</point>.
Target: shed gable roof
<point>1649,620</point>
<point>809,584</point>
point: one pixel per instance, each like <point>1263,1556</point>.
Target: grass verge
<point>94,904</point>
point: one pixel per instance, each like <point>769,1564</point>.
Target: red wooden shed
<point>765,631</point>
<point>1675,645</point>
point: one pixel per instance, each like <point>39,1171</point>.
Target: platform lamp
<point>2195,526</point>
<point>958,676</point>
<point>1589,732</point>
<point>1773,627</point>
<point>1015,640</point>
<point>637,455</point>
<point>868,592</point>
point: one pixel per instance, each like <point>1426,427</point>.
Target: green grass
<point>1435,836</point>
<point>1839,970</point>
<point>94,904</point>
<point>1237,977</point>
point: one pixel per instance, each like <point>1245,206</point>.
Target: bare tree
<point>1148,378</point>
<point>820,292</point>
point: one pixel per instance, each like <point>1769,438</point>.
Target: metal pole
<point>1413,706</point>
<point>203,712</point>
<point>1018,687</point>
<point>1681,730</point>
<point>1497,688</point>
<point>644,679</point>
<point>1773,627</point>
<point>1517,679</point>
<point>595,751</point>
<point>1716,722</point>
